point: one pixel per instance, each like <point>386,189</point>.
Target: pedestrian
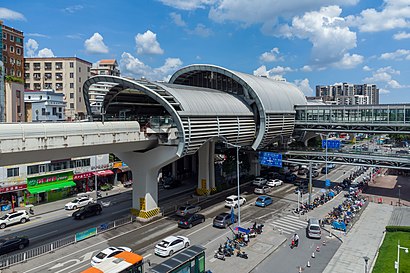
<point>296,239</point>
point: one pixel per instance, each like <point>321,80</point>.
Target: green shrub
<point>398,228</point>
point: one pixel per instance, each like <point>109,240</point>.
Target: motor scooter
<point>219,255</point>
<point>242,255</point>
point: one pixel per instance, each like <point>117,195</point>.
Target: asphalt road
<point>290,260</point>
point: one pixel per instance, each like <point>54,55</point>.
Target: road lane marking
<point>45,234</point>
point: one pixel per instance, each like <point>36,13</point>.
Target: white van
<point>313,229</point>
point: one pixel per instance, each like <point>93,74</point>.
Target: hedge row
<point>398,228</point>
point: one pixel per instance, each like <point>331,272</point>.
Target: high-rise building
<point>65,75</point>
<point>98,91</point>
<point>348,94</point>
<point>13,51</point>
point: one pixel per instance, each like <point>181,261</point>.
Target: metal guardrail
<point>9,260</point>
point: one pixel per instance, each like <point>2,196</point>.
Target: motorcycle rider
<point>295,239</point>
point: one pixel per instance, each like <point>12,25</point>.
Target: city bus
<point>124,262</point>
<point>190,260</point>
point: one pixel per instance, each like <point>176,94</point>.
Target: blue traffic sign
<point>331,144</point>
<point>270,159</point>
<point>327,183</point>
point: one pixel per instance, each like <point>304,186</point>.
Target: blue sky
<point>309,42</point>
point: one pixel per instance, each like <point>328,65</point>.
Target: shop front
<point>48,188</point>
<point>123,174</point>
<point>12,196</point>
<point>84,180</point>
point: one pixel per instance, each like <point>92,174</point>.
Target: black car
<point>191,220</point>
<point>324,170</point>
<point>88,210</point>
<point>290,177</point>
<point>10,244</point>
<point>171,183</point>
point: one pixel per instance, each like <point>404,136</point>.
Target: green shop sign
<point>41,180</point>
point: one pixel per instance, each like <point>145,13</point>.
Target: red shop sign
<point>83,175</point>
<point>13,188</point>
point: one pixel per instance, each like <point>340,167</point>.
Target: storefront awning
<point>50,186</point>
<point>124,169</point>
<point>104,173</point>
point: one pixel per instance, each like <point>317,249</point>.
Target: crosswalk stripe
<point>281,188</point>
<point>293,225</point>
<point>284,229</point>
<point>294,219</point>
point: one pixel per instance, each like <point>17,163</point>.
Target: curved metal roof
<point>274,96</point>
<point>195,101</point>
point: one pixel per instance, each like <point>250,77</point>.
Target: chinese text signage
<point>270,159</point>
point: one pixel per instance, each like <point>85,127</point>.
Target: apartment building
<point>98,91</point>
<point>65,75</point>
<point>13,51</point>
<point>348,94</point>
<point>44,106</point>
<point>14,98</point>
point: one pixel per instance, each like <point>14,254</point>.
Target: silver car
<point>262,190</point>
<point>223,220</point>
<point>187,209</point>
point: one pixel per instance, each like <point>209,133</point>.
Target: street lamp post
<point>366,260</point>
<point>397,263</point>
<point>237,178</point>
<point>399,186</point>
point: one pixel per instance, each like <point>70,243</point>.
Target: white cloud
<point>176,17</point>
<point>95,44</point>
<point>201,30</point>
<point>8,14</point>
<point>327,32</point>
<point>304,86</point>
<point>383,91</point>
<point>349,61</point>
<point>188,4</point>
<point>274,73</point>
<point>133,67</point>
<point>307,68</point>
<point>271,56</point>
<point>73,9</point>
<point>394,14</point>
<point>45,53</point>
<point>401,36</point>
<point>37,35</point>
<point>31,50</point>
<point>384,75</point>
<point>366,68</point>
<point>399,54</point>
<point>31,47</point>
<point>147,43</point>
<point>266,12</point>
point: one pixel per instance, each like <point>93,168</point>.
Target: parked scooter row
<point>320,200</point>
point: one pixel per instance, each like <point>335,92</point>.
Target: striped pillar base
<point>147,214</point>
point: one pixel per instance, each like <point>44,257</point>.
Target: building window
<point>18,51</point>
<point>59,66</point>
<point>12,38</point>
<point>47,76</point>
<point>18,73</point>
<point>54,111</point>
<point>71,75</point>
<point>37,76</point>
<point>43,111</point>
<point>37,86</point>
<point>4,47</point>
<point>79,99</point>
<point>26,66</point>
<point>79,89</point>
<point>71,85</point>
<point>27,87</point>
<point>12,60</point>
<point>12,172</point>
<point>72,105</point>
<point>4,35</point>
<point>13,73</point>
<point>88,69</point>
<point>5,60</point>
<point>36,66</point>
<point>71,64</point>
<point>79,69</point>
<point>33,169</point>
<point>18,62</point>
<point>79,79</point>
<point>12,49</point>
<point>59,109</point>
<point>59,76</point>
<point>71,95</point>
<point>47,66</point>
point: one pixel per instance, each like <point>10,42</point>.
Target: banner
<point>85,234</point>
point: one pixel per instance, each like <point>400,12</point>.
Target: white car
<point>20,216</point>
<point>274,182</point>
<point>262,190</point>
<point>259,181</point>
<point>232,201</point>
<point>78,203</point>
<point>171,245</point>
<point>108,253</point>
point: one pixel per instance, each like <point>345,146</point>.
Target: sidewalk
<point>362,240</point>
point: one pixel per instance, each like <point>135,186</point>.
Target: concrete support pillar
<point>309,135</point>
<point>255,167</point>
<point>206,168</point>
<point>145,167</point>
<point>174,170</point>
